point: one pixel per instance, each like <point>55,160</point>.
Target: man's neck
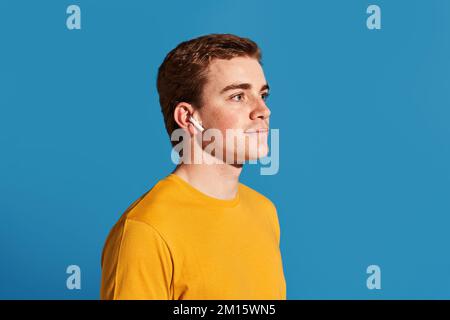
<point>216,180</point>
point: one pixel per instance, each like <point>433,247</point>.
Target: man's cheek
<point>229,122</point>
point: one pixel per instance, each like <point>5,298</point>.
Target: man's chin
<point>263,152</point>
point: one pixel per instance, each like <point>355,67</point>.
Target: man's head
<point>217,79</point>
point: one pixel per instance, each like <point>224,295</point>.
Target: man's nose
<point>260,110</point>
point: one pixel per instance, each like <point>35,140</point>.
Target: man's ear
<point>181,115</point>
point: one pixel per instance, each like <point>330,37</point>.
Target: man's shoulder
<point>158,202</point>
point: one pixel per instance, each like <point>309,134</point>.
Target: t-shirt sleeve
<point>144,264</point>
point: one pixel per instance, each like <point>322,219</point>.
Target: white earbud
<point>196,124</point>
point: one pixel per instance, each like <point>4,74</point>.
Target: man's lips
<point>259,130</point>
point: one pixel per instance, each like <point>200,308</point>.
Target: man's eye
<point>264,96</point>
<point>237,97</point>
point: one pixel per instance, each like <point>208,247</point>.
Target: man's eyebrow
<point>265,87</point>
<point>244,86</point>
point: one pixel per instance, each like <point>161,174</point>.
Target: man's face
<point>234,98</point>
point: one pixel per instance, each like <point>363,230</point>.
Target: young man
<point>199,233</point>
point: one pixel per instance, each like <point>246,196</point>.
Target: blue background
<point>364,132</point>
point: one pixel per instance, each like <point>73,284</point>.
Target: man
<point>199,233</point>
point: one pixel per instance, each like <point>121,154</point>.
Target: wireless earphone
<point>196,124</point>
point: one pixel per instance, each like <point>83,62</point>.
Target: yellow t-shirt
<point>175,242</point>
